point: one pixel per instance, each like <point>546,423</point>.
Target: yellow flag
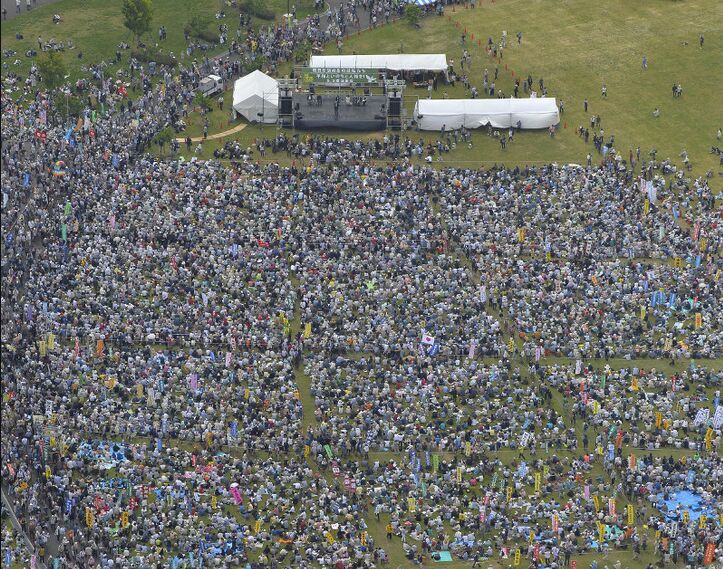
<point>658,419</point>
<point>47,473</point>
<point>538,481</point>
<point>698,320</point>
<point>412,504</point>
<point>214,503</point>
<point>89,517</point>
<point>646,206</point>
<point>51,341</point>
<point>307,330</point>
<point>330,538</point>
<point>521,234</point>
<point>631,515</point>
<point>124,519</point>
<point>257,527</point>
<point>642,313</point>
<point>42,348</point>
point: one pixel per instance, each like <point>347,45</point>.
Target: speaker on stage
<point>286,101</point>
<point>286,105</point>
<point>394,114</point>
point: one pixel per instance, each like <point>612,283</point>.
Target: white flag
<point>701,417</point>
<point>718,417</point>
<point>427,339</point>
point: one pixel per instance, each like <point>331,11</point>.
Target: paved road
<point>9,5</point>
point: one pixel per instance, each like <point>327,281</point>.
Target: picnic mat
<point>443,556</point>
<point>688,501</point>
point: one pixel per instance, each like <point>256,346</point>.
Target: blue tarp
<point>443,556</point>
<point>687,501</point>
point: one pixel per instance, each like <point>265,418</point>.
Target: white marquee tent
<point>393,62</point>
<point>256,93</point>
<point>432,114</point>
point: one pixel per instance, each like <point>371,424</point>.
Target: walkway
<point>224,134</point>
<point>9,5</point>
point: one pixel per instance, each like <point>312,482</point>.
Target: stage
<point>342,111</point>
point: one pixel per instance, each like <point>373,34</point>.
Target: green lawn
<point>576,46</point>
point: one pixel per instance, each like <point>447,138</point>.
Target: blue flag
<point>26,180</point>
<point>433,350</point>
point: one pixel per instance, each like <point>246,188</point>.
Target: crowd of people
<point>260,365</point>
<point>159,320</point>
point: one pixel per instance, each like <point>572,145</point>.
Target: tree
<point>412,13</point>
<point>203,101</point>
<point>52,69</point>
<point>137,16</point>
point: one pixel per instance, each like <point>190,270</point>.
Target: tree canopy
<point>137,16</point>
<point>52,69</point>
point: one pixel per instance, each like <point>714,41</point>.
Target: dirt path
<point>224,134</point>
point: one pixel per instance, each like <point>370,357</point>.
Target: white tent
<point>256,94</point>
<point>392,62</point>
<point>432,114</point>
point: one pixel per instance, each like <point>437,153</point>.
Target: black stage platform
<point>345,112</point>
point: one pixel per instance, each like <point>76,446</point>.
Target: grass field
<point>577,46</point>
